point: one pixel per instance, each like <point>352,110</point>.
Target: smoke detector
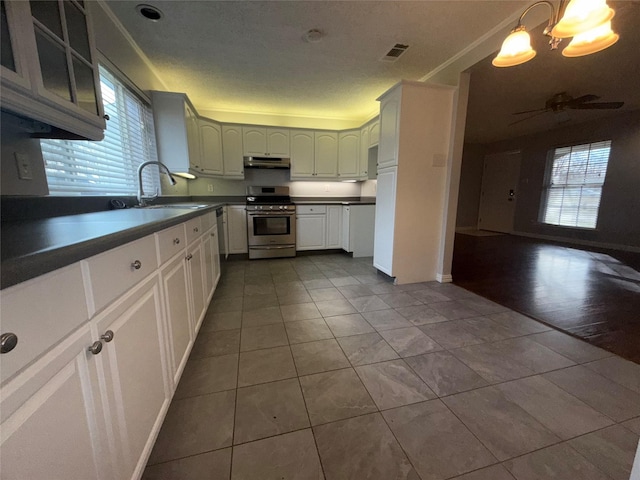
<point>313,36</point>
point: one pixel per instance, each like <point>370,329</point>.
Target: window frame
<point>547,185</point>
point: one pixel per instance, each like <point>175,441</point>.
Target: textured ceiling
<point>246,56</point>
<point>613,74</point>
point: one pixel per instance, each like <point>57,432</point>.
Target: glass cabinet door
<point>7,59</point>
<point>64,52</point>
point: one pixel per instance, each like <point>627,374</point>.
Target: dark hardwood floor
<point>591,294</point>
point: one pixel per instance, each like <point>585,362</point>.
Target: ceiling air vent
<point>394,54</point>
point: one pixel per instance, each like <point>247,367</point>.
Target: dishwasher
<point>221,221</point>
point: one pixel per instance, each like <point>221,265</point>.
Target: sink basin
<point>189,206</point>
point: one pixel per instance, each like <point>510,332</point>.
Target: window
<point>575,176</point>
<point>108,167</point>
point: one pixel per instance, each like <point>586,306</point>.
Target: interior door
<point>499,192</point>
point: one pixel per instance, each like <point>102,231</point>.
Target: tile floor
<point>316,367</point>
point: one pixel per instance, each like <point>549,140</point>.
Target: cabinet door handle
<point>136,265</point>
<point>107,336</point>
<point>176,241</point>
<point>195,229</point>
<point>95,348</point>
<point>213,234</point>
<point>189,257</point>
<point>8,342</point>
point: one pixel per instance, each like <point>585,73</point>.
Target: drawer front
<point>170,242</point>
<point>112,273</point>
<point>41,312</point>
<point>309,209</point>
<point>208,220</point>
<point>194,229</point>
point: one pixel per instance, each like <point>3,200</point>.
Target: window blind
<point>575,176</point>
<point>108,167</point>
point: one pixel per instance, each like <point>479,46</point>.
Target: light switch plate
<point>23,164</point>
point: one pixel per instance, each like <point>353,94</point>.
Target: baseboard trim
<point>577,241</point>
<point>448,278</point>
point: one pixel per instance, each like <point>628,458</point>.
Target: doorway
<point>499,192</point>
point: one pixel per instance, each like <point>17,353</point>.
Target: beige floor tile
<point>437,443</point>
<point>300,311</point>
<point>397,300</point>
<point>266,336</point>
<point>577,350</point>
<point>344,281</point>
<point>556,462</point>
<point>532,355</point>
<point>330,308</point>
<point>454,310</point>
<point>206,466</point>
<point>451,334</point>
<point>362,448</point>
<point>421,315</point>
<point>501,425</point>
<point>214,322</point>
<point>260,289</point>
<point>292,455</point>
<point>187,427</point>
<point>368,304</point>
<point>346,325</point>
<point>393,384</point>
<point>619,370</point>
<point>355,291</point>
<point>263,316</point>
<point>612,450</point>
<point>600,393</point>
<point>491,363</point>
<point>208,375</point>
<point>633,425</point>
<point>494,472</point>
<point>209,344</point>
<point>486,329</point>
<point>260,366</point>
<point>445,374</point>
<point>482,305</point>
<point>319,356</point>
<point>269,409</point>
<point>411,341</point>
<point>287,288</point>
<point>367,348</point>
<point>518,323</point>
<point>335,395</point>
<point>294,298</point>
<point>315,283</point>
<point>428,295</point>
<point>386,320</point>
<point>323,294</point>
<point>308,331</point>
<point>561,413</point>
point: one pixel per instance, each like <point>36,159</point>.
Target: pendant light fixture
<point>588,21</point>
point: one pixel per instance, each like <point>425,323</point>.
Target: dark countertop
<point>334,200</point>
<point>35,247</point>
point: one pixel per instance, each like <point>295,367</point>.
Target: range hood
<point>267,162</point>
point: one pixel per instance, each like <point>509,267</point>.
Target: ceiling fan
<point>563,101</point>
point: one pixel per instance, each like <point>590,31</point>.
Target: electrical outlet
<point>24,166</point>
<point>210,188</point>
<point>326,187</point>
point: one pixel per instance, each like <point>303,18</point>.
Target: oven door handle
<point>269,247</point>
<point>267,214</point>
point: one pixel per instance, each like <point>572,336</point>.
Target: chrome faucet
<point>142,200</point>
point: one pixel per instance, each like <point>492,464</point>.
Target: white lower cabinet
<point>318,227</point>
<point>358,229</point>
<point>237,229</point>
<point>73,412</point>
<point>52,422</point>
<point>134,365</point>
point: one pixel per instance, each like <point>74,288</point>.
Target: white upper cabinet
<point>265,142</point>
<point>363,168</point>
<point>302,154</point>
<point>49,66</point>
<point>326,154</point>
<point>232,151</point>
<point>211,159</point>
<point>349,154</point>
<point>374,133</point>
<point>389,127</point>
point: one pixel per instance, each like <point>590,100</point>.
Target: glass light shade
<point>591,41</point>
<point>186,175</point>
<point>516,49</point>
<point>581,16</point>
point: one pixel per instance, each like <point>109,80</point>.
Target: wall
<point>261,177</point>
<point>470,186</point>
<point>619,221</point>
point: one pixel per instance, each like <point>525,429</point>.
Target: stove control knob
<point>281,207</point>
<point>271,207</point>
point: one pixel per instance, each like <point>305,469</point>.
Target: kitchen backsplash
<point>263,177</point>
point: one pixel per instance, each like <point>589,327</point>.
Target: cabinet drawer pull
<point>8,342</point>
<point>195,229</point>
<point>96,347</point>
<point>176,241</point>
<point>189,257</point>
<point>136,265</point>
<point>107,336</point>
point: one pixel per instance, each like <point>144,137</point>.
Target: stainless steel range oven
<point>271,222</point>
